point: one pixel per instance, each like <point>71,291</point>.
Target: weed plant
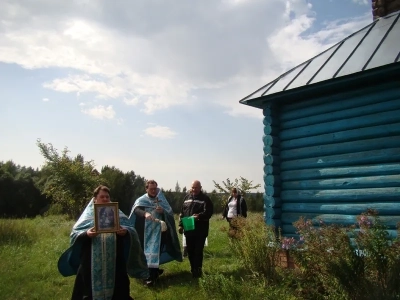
<point>357,262</point>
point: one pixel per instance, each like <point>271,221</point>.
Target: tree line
<point>65,184</point>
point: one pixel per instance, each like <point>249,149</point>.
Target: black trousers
<point>195,246</point>
<point>83,280</point>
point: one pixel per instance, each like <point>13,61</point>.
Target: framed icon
<point>106,217</point>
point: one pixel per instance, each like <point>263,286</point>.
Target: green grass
<point>30,248</point>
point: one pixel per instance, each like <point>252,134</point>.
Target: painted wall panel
<point>341,148</point>
<point>384,208</point>
<point>338,102</point>
<point>349,195</point>
<point>342,114</point>
<point>344,183</point>
<point>304,174</point>
<point>333,158</point>
<point>341,160</point>
<point>390,129</point>
<point>341,125</point>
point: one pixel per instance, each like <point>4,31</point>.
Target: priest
<point>154,221</point>
<point>102,261</point>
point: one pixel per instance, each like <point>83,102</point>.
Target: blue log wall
<point>332,158</point>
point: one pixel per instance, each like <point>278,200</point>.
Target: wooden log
<point>337,102</point>
<point>350,195</point>
<point>269,169</point>
<point>272,120</point>
<point>271,159</point>
<point>340,148</point>
<point>343,183</point>
<point>273,213</point>
<point>290,218</point>
<point>271,130</point>
<point>343,136</point>
<point>271,150</point>
<point>270,110</point>
<point>267,111</point>
<point>272,190</point>
<point>272,180</point>
<point>342,114</point>
<point>341,160</point>
<point>341,125</point>
<point>383,208</point>
<point>271,113</point>
<point>288,229</point>
<point>354,171</point>
<point>270,201</point>
<point>273,222</point>
<point>270,140</point>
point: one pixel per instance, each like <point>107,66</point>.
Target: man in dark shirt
<point>198,205</point>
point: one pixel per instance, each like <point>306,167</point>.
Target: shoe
<point>197,274</point>
<point>149,282</point>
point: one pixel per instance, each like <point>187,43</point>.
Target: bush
<point>255,244</point>
<point>358,262</point>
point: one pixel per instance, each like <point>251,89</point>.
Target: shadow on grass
<point>226,254</point>
<point>181,278</point>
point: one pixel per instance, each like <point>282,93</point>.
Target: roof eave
<point>335,85</point>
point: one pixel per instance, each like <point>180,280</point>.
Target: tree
<point>125,188</point>
<point>19,194</point>
<point>177,188</point>
<point>71,181</point>
<point>242,184</point>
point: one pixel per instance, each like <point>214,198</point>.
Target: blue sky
<point>153,86</point>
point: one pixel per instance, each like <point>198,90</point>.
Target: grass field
<point>30,248</point>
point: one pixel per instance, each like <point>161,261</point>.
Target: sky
<point>154,86</point>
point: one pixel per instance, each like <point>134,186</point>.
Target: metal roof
<point>375,45</point>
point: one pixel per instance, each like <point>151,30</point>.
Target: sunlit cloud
<point>161,132</point>
<point>100,112</point>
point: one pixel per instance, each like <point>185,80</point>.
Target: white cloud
<point>100,112</point>
<point>161,132</point>
<point>291,46</point>
<point>84,84</point>
<point>45,99</point>
<point>133,101</point>
<point>361,2</point>
<point>224,50</point>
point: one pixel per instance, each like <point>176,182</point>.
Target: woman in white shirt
<point>235,207</point>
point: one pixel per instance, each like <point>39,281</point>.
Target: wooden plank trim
<point>341,148</point>
<point>349,195</point>
<point>329,173</point>
<point>341,125</point>
<point>317,119</point>
<point>343,136</point>
<point>349,159</point>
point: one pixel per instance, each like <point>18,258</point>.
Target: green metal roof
<point>375,45</point>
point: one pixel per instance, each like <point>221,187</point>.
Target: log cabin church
<point>332,130</point>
